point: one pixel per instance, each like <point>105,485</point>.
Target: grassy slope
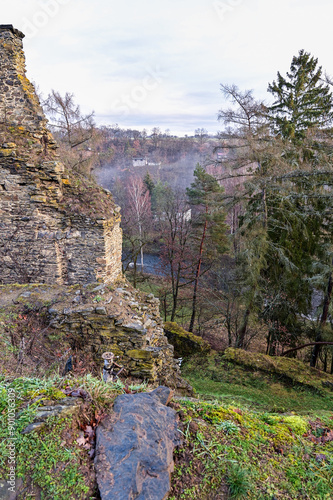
<point>50,463</point>
<point>258,431</point>
<point>254,433</point>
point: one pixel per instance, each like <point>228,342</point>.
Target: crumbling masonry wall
<point>42,238</point>
<point>59,229</point>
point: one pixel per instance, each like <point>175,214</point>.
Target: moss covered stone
<point>139,354</point>
<point>294,370</point>
<point>185,343</point>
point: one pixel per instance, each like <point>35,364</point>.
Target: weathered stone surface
<point>134,448</point>
<point>47,240</point>
<point>13,494</point>
<point>100,310</point>
<point>145,353</point>
<point>63,407</point>
<point>184,343</point>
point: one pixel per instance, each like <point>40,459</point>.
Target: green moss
<point>5,152</point>
<point>216,376</point>
<point>294,370</point>
<point>51,393</point>
<point>113,348</point>
<point>297,424</point>
<point>280,459</point>
<point>139,354</point>
<point>185,343</point>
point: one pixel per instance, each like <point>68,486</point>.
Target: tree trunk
<point>141,253</point>
<point>305,345</point>
<point>134,273</point>
<point>141,247</point>
<point>174,307</point>
<point>323,319</point>
<point>242,331</point>
<point>175,290</point>
<point>325,362</point>
<point>194,299</point>
<point>197,275</point>
<point>268,342</point>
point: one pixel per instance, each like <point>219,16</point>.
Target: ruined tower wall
<point>42,237</point>
<point>19,103</point>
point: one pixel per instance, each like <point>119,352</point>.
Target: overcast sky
<point>147,63</point>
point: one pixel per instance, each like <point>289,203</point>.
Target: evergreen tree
<point>149,183</point>
<point>206,195</point>
<point>302,99</point>
<point>160,194</point>
<point>302,114</point>
<point>285,237</point>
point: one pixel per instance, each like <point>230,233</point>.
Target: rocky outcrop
<point>55,227</point>
<point>59,408</point>
<point>62,229</point>
<point>185,343</point>
<point>126,322</point>
<point>134,447</point>
<point>89,320</point>
<point>123,321</point>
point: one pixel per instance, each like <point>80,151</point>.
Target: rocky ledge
<point>89,320</point>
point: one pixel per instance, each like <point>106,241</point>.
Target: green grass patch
<point>260,430</point>
<point>251,454</point>
<point>215,376</point>
<point>50,459</point>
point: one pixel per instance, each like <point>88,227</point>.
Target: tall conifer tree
<point>284,153</point>
<point>302,99</point>
<point>302,115</point>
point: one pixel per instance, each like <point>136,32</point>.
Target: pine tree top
<point>302,99</point>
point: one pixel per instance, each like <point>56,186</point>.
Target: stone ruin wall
<point>46,241</point>
<point>41,239</point>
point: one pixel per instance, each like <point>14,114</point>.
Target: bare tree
<point>72,129</point>
<point>201,134</point>
<point>175,227</point>
<point>136,220</point>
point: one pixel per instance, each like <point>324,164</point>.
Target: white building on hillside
<point>140,162</point>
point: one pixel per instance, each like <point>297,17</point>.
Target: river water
<point>151,264</point>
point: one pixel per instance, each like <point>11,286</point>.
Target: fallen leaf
<point>90,433</point>
<point>81,440</point>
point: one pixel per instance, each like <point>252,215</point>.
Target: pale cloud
<point>106,52</point>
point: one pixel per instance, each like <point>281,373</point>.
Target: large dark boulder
<point>134,447</point>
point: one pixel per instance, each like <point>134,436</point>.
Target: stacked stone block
<point>42,239</point>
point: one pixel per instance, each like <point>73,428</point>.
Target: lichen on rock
<point>185,343</point>
<point>134,449</point>
<point>41,204</point>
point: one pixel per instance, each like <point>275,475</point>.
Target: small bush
<point>228,426</point>
<point>238,481</point>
